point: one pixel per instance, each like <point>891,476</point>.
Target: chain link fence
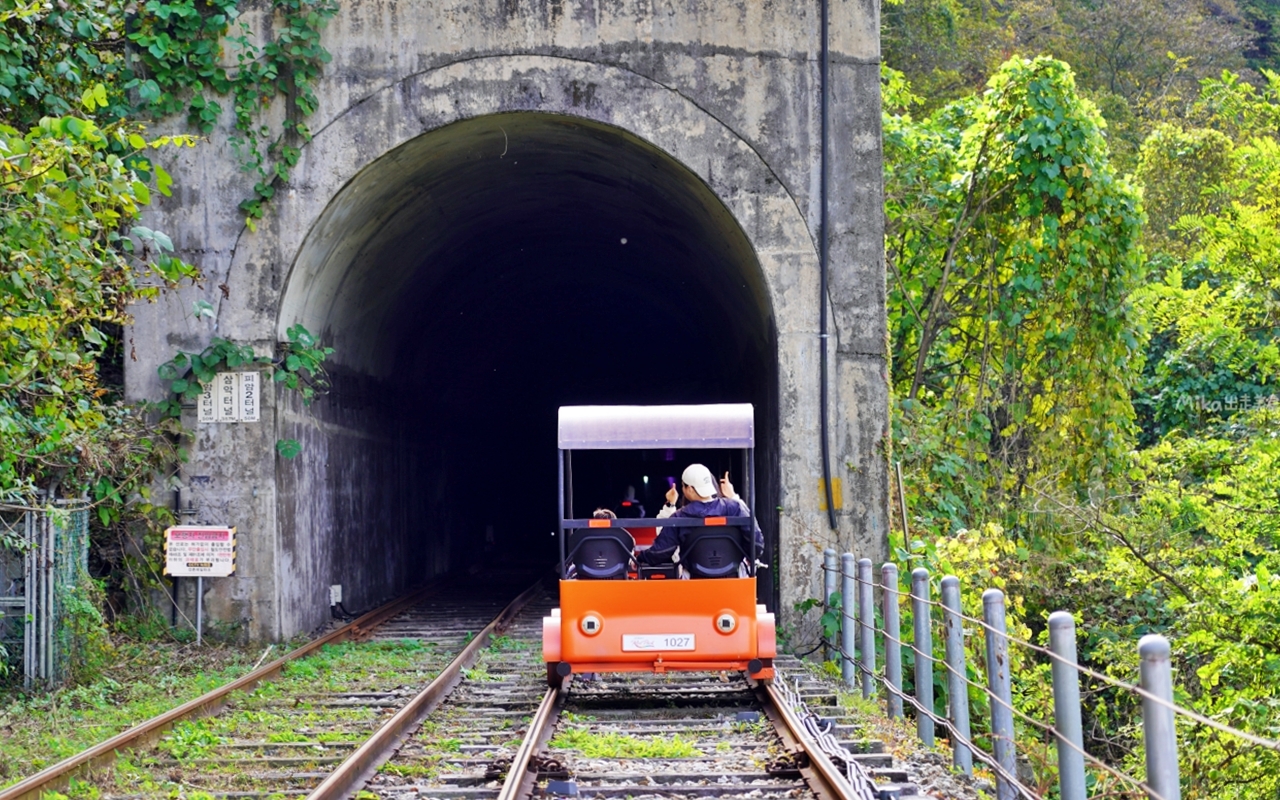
<point>44,557</point>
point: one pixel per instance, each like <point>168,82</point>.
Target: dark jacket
<point>672,537</point>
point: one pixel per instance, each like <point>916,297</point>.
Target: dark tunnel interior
<point>486,273</point>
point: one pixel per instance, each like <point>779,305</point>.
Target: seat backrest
<point>601,554</point>
<point>712,552</point>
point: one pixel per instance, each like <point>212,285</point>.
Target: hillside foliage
<point>1084,289</point>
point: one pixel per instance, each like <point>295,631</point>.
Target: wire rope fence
<point>869,629</point>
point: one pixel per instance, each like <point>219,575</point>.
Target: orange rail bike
<point>616,615</point>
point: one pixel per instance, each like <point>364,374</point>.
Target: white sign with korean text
<point>228,404</point>
<point>248,395</point>
<point>208,404</point>
<point>200,551</point>
<point>231,397</point>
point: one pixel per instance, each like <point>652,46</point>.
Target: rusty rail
<point>520,780</point>
<point>825,779</point>
<point>57,776</point>
<point>361,765</point>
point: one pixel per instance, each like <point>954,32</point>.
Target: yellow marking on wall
<point>837,497</point>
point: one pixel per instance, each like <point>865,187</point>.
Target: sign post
<point>199,551</point>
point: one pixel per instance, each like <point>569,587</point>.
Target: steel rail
<point>58,776</point>
<point>824,778</point>
<point>361,765</point>
<point>520,780</point>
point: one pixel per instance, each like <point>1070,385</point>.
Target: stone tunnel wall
<point>728,89</point>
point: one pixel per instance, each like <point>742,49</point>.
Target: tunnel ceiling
<point>504,235</point>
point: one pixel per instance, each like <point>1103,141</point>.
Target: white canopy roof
<point>645,427</point>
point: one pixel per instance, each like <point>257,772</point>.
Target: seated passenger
<point>600,553</point>
<point>700,492</point>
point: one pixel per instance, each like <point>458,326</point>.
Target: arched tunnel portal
<point>472,280</point>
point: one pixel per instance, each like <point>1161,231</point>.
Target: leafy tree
<point>1140,61</point>
<point>70,192</point>
<point>50,55</point>
<point>1214,309</point>
<point>1012,248</point>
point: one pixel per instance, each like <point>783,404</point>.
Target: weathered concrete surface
<point>415,121</point>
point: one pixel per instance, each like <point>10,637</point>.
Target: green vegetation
<point>77,167</point>
<point>153,677</point>
<point>1084,312</point>
<point>619,745</point>
<point>146,678</point>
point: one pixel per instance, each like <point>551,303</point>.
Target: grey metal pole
<point>848,620</point>
<point>830,585</point>
<point>46,587</point>
<point>828,588</point>
<point>957,688</point>
<point>867,628</point>
<point>1159,735</point>
<point>28,602</point>
<point>1000,683</point>
<point>199,608</point>
<point>922,622</point>
<point>1066,707</point>
<point>892,639</point>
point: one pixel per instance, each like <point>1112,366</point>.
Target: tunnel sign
<point>200,551</point>
<point>231,397</point>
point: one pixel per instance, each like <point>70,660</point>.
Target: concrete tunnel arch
<point>348,219</point>
<point>473,279</point>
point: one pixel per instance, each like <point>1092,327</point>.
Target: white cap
<point>699,477</point>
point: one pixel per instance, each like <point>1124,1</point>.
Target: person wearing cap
<point>700,493</point>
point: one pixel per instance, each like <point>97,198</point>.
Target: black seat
<point>712,552</point>
<point>602,554</point>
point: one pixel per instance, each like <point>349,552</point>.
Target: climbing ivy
<point>299,366</point>
<point>180,55</point>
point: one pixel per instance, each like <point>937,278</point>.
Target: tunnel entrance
<point>471,282</point>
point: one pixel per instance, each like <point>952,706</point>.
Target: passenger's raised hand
<point>726,488</point>
<point>672,494</point>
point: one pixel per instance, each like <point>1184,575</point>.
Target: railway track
<point>283,729</point>
<point>503,736</point>
<point>354,718</point>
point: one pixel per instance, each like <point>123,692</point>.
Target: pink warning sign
<point>201,551</point>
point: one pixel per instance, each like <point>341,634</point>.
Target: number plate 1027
<point>639,642</point>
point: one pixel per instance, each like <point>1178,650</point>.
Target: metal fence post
<point>29,601</point>
<point>1066,706</point>
<point>848,621</point>
<point>1000,683</point>
<point>892,638</point>
<point>828,589</point>
<point>867,627</point>
<point>922,623</point>
<point>957,688</point>
<point>1159,735</point>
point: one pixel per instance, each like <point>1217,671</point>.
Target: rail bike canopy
<point>721,425</point>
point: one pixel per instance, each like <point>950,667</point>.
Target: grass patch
<point>479,674</point>
<point>619,745</point>
<point>152,677</point>
<point>412,770</point>
<point>190,739</point>
<point>147,679</point>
